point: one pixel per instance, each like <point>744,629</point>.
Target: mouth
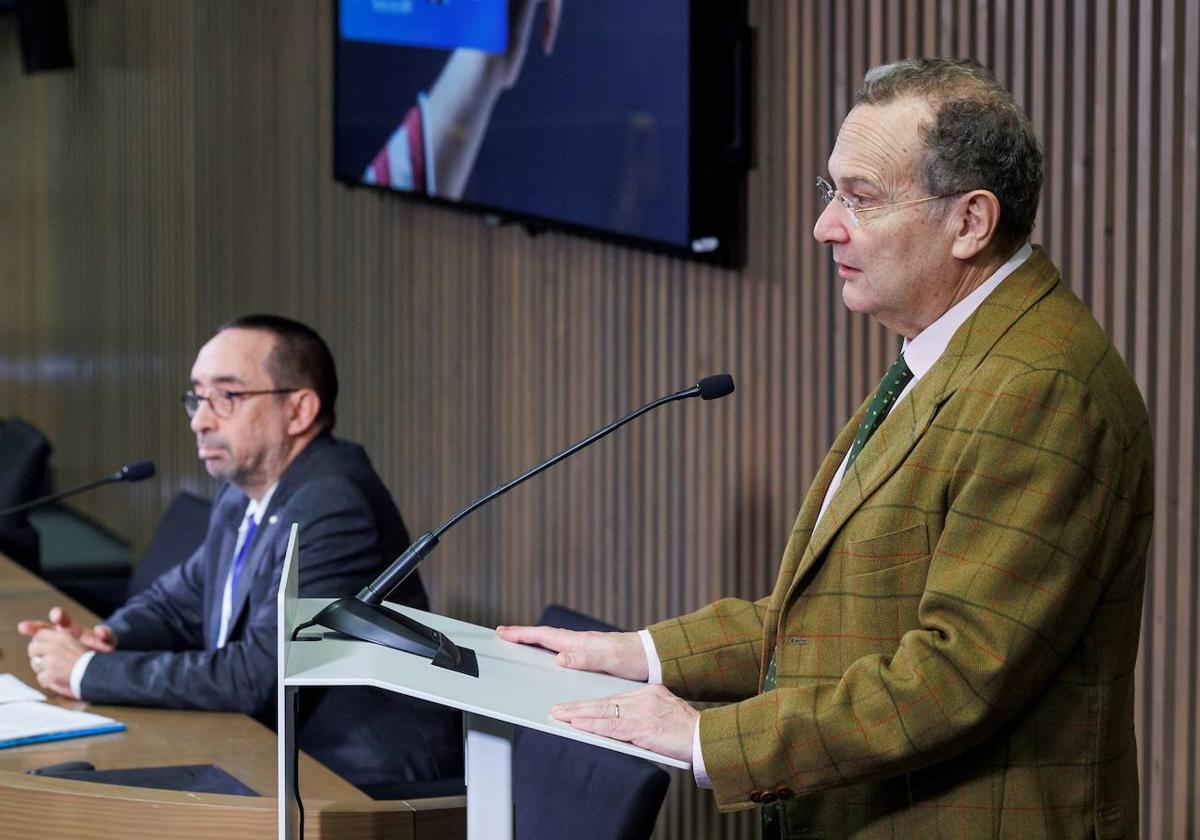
<point>207,452</point>
<point>847,272</point>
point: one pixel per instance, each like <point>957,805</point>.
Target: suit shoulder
<point>1059,339</point>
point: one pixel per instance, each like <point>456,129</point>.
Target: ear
<point>975,218</point>
<point>305,405</point>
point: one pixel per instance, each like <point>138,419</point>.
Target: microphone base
<point>383,626</point>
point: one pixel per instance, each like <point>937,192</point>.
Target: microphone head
<point>716,386</point>
<point>135,472</point>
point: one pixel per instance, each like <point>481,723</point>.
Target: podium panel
<point>516,686</point>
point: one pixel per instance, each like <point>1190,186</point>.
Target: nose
<point>832,225</point>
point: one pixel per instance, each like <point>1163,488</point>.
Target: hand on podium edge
<point>619,654</point>
<point>651,718</point>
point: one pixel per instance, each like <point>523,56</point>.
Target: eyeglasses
<point>828,192</point>
<point>222,403</point>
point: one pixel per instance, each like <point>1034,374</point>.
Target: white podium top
<point>516,683</point>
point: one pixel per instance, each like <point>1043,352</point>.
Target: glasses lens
<point>222,404</point>
<point>191,403</point>
<point>825,190</point>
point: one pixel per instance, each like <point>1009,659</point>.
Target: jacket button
<point>768,796</point>
<point>784,792</point>
<point>756,796</point>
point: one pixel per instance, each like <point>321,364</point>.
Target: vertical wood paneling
<point>181,175</point>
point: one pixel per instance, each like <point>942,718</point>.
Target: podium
<point>516,686</point>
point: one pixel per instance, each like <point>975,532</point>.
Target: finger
<point>101,638</point>
<point>581,660</point>
<point>30,627</point>
<point>550,25</point>
<point>594,653</point>
<point>63,621</point>
<point>582,709</point>
<point>601,707</point>
<point>548,637</point>
<point>621,730</point>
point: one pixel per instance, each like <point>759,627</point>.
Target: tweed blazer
<point>955,639</point>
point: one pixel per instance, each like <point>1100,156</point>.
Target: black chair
<point>564,788</point>
<point>24,456</point>
<point>179,533</point>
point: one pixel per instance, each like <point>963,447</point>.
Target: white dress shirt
<point>254,510</point>
<point>920,354</point>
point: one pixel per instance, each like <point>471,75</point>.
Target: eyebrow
<point>224,379</point>
<point>855,181</point>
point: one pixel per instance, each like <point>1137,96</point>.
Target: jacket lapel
<point>802,530</point>
<point>909,420</point>
<point>260,550</point>
<point>259,546</point>
<point>233,509</point>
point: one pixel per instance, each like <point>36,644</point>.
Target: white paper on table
<point>21,721</point>
<point>12,690</point>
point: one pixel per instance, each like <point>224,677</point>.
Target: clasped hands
<point>652,717</point>
<point>56,645</point>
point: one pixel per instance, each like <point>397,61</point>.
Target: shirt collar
<point>258,507</point>
<point>926,348</point>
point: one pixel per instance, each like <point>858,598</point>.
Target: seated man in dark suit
<point>261,404</point>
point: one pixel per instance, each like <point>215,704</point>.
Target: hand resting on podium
<point>652,717</point>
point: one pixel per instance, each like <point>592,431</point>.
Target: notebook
<point>26,717</point>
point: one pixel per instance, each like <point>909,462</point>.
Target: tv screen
<point>622,118</point>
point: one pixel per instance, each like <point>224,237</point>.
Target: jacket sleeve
<point>337,538</point>
<point>713,653</point>
<point>167,615</point>
<point>1041,505</point>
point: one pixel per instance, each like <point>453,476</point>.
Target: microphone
<point>365,617</point>
<point>129,472</point>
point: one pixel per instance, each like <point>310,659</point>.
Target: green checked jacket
<point>955,642</point>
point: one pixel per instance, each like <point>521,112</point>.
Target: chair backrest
<point>179,533</point>
<point>564,788</point>
<point>24,456</point>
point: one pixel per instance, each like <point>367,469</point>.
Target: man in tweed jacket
<point>950,644</point>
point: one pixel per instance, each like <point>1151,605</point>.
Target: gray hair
<point>979,138</point>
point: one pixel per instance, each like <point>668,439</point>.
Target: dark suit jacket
<point>350,530</point>
<point>955,638</point>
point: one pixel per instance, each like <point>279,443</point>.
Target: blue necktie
<point>240,559</point>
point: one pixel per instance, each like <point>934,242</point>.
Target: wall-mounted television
<point>625,119</point>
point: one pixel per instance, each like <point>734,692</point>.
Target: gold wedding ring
<point>618,705</point>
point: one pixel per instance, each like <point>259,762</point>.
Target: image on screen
<point>468,101</point>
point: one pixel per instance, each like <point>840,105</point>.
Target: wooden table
<point>48,809</point>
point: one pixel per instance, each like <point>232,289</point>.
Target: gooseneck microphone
<point>365,617</point>
<point>129,472</point>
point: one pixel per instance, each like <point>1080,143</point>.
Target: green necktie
<point>892,385</point>
<point>897,376</point>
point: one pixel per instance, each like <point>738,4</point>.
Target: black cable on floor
<point>296,762</point>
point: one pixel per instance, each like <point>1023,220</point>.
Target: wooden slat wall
<point>181,175</point>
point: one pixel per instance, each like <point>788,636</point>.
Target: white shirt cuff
<point>77,673</point>
<point>702,779</point>
<point>653,666</point>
